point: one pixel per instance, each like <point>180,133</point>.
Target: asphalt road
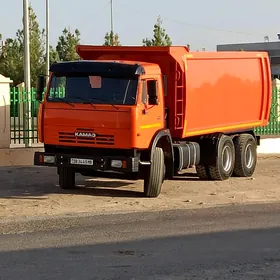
<point>240,242</point>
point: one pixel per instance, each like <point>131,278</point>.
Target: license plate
<point>80,161</point>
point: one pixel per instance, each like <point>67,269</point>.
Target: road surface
<point>236,242</point>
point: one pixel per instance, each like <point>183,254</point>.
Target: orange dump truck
<point>150,112</point>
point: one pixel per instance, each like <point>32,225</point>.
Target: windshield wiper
<point>126,91</point>
<point>86,101</point>
<point>62,100</point>
<point>106,101</point>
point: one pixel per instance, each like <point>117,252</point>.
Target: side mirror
<point>40,87</point>
<point>152,92</point>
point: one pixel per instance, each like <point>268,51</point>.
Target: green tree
<point>54,57</point>
<point>160,37</point>
<point>111,39</point>
<point>66,45</point>
<point>0,44</point>
<point>1,52</point>
<point>12,63</point>
<point>37,46</point>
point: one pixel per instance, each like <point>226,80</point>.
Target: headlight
<point>49,159</point>
<point>116,164</point>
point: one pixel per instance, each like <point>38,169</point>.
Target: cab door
<point>151,111</point>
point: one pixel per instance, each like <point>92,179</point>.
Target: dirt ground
<point>33,191</point>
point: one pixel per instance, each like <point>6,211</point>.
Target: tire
<point>155,175</point>
<point>66,178</point>
<point>245,155</point>
<point>202,172</point>
<point>225,160</point>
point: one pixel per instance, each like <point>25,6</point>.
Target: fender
<point>257,137</point>
<point>208,147</point>
<point>248,131</point>
<point>167,148</point>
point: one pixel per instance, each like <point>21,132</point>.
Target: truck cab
<point>121,102</point>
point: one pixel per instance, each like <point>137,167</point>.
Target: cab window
<point>150,92</point>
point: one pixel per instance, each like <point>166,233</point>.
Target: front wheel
<point>155,174</point>
<point>66,178</point>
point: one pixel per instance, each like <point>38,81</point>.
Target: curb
<point>96,220</point>
<point>269,146</point>
<point>45,223</point>
<point>18,156</point>
<point>22,225</point>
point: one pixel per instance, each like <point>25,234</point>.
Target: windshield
<point>93,89</point>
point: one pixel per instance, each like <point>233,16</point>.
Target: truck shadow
<point>33,183</point>
<point>98,187</point>
<point>187,176</point>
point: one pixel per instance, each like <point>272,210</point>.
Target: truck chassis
<point>216,157</point>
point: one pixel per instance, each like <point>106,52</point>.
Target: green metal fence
<point>273,128</point>
<point>24,109</point>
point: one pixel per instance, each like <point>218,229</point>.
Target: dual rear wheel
<point>235,156</point>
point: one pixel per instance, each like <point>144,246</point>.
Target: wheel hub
<point>249,159</point>
<point>226,158</point>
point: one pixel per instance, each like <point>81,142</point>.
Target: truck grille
<point>100,139</point>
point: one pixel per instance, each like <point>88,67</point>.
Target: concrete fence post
<point>276,87</point>
<point>5,118</point>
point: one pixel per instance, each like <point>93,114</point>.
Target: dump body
<point>206,92</point>
<point>226,92</point>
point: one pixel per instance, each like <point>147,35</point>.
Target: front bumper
<point>81,162</point>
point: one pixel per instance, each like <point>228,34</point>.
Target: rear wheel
<point>155,174</point>
<point>245,154</point>
<point>225,160</point>
<point>66,178</point>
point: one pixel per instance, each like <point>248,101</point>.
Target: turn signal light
<point>118,163</point>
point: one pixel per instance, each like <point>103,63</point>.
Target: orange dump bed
<point>226,92</point>
<point>207,92</point>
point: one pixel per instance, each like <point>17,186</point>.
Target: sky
<point>202,24</point>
